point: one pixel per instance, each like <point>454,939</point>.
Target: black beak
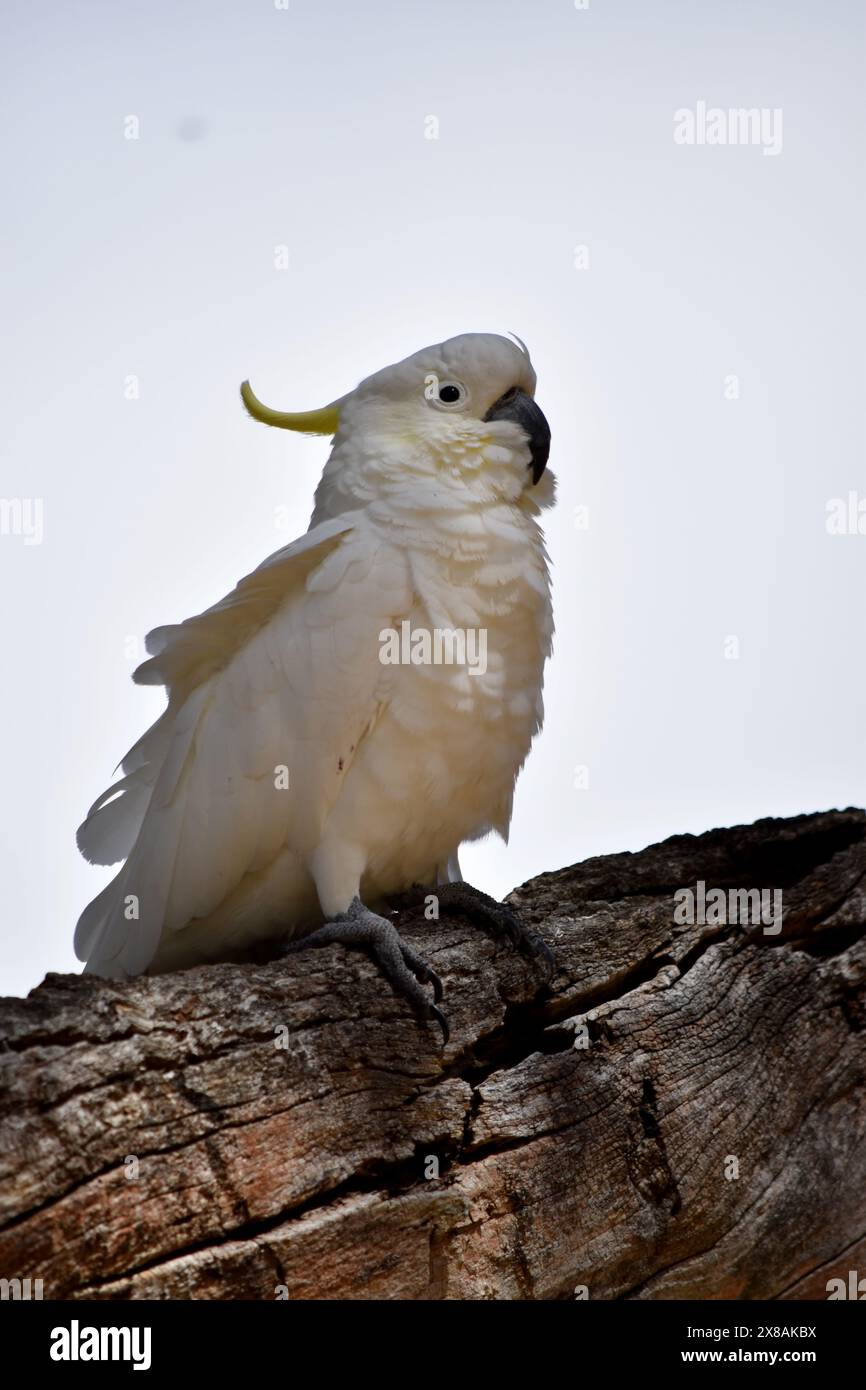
<point>516,405</point>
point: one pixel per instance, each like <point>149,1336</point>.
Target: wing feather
<point>283,672</point>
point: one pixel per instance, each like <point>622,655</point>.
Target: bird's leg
<point>405,969</point>
<point>499,917</point>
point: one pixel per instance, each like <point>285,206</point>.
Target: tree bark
<point>681,1114</point>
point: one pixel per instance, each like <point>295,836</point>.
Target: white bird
<point>319,751</point>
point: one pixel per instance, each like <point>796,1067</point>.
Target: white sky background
<point>706,515</point>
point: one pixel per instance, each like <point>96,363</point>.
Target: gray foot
<point>405,969</point>
<point>500,918</point>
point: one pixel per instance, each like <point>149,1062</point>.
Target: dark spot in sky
<point>191,128</point>
<point>340,765</point>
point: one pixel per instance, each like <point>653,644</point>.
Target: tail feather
<point>118,933</point>
<point>110,830</point>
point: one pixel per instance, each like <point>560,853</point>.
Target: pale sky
<point>694,313</point>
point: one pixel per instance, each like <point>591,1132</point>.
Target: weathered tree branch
<point>159,1141</point>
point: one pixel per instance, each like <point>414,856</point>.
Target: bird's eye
<point>451,393</point>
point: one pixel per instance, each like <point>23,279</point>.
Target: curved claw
<point>402,966</point>
<point>501,918</point>
<point>443,1023</point>
<point>542,951</point>
<point>420,969</point>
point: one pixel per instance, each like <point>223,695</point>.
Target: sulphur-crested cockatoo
<point>362,702</point>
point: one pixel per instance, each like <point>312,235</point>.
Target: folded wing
<point>270,693</point>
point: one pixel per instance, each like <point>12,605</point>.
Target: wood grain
<point>287,1128</point>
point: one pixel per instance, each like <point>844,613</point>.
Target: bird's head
<point>465,394</point>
